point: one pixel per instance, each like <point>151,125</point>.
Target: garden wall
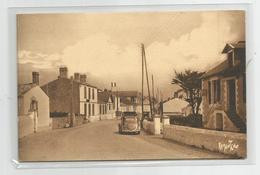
<point>224,142</point>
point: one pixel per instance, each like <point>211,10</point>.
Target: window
<point>93,109</point>
<point>89,93</point>
<point>85,92</point>
<point>209,92</point>
<point>132,99</point>
<point>89,109</point>
<point>85,109</point>
<point>216,90</point>
<point>93,94</point>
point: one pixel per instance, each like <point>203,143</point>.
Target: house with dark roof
<point>72,100</point>
<point>33,107</point>
<point>174,107</point>
<point>129,100</point>
<point>106,105</point>
<point>224,91</point>
<point>146,105</point>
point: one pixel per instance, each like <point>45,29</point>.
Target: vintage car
<point>130,123</point>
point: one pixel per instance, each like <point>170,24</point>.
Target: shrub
<point>191,120</point>
<point>58,114</point>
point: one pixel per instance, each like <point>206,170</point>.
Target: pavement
<point>101,141</point>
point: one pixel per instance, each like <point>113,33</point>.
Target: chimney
<point>76,76</point>
<point>63,72</point>
<point>35,78</point>
<point>83,78</point>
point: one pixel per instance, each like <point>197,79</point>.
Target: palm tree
<point>190,82</point>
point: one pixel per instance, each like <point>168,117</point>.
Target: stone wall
<point>224,142</point>
<point>240,102</point>
<point>63,122</point>
<point>60,95</point>
<point>60,122</point>
<point>209,110</point>
<point>79,120</point>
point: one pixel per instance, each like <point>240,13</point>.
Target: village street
<point>100,140</point>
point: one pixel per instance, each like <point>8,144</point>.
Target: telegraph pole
<point>153,94</point>
<point>142,84</point>
<point>147,80</point>
<point>72,115</point>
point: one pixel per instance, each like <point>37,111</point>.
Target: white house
<point>88,95</point>
<point>106,103</point>
<point>129,100</point>
<point>146,105</point>
<point>33,108</point>
<point>174,106</point>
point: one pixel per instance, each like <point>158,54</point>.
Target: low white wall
<point>108,116</point>
<point>219,141</point>
<point>26,125</point>
<point>94,118</point>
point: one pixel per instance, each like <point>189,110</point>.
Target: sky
<point>107,46</point>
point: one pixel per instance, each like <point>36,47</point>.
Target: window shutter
<point>209,92</point>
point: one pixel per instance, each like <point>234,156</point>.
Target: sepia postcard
<point>131,86</point>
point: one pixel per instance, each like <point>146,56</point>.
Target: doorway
<point>219,122</point>
<point>34,109</point>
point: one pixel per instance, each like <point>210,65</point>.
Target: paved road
<point>101,141</point>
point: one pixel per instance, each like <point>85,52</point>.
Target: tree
<point>190,82</point>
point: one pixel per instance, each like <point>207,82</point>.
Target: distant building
<point>146,103</point>
<point>33,107</point>
<point>224,92</point>
<point>72,98</point>
<point>106,105</point>
<point>175,107</point>
<point>180,94</point>
<point>129,100</point>
<point>147,106</point>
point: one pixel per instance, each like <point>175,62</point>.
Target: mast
<point>142,83</point>
<point>147,80</point>
<point>157,95</point>
<point>72,104</point>
<point>153,93</point>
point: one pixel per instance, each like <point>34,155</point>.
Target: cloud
<point>51,33</point>
<point>105,60</point>
<point>196,50</point>
<point>39,60</point>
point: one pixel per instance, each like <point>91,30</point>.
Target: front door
<point>34,109</point>
<point>219,122</point>
<point>232,95</point>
